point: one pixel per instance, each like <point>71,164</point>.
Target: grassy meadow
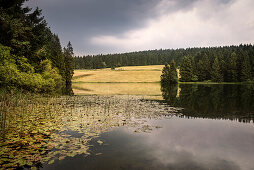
<point>131,80</point>
<point>131,74</point>
<point>152,89</point>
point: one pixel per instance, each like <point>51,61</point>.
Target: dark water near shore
<point>195,127</point>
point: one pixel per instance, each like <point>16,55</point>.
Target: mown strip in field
<point>80,76</point>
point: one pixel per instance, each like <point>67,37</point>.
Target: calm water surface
<point>214,130</point>
<point>194,127</point>
<point>180,144</point>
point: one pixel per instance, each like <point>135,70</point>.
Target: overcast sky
<point>114,26</point>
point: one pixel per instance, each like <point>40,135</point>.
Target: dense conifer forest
<point>31,55</point>
<point>219,64</point>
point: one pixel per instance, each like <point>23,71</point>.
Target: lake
<point>177,127</point>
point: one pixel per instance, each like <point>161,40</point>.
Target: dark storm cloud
<point>99,15</point>
<point>79,20</point>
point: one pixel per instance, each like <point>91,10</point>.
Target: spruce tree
<point>206,67</point>
<point>201,71</point>
<point>186,70</point>
<point>169,74</point>
<point>245,74</point>
<point>69,64</point>
<point>216,73</point>
<point>232,68</point>
<point>165,75</point>
<point>173,75</point>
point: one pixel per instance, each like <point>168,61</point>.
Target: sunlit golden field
<point>117,88</point>
<point>131,80</point>
<point>122,74</point>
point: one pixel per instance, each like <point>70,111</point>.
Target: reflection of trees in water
<point>234,102</point>
<point>169,93</point>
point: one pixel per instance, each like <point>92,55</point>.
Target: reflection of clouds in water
<point>202,144</point>
<point>176,159</point>
<point>63,127</point>
<point>180,143</point>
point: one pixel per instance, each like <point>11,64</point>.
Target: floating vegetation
<point>36,130</point>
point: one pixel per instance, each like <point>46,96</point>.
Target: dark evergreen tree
<point>232,68</point>
<point>68,57</point>
<point>186,70</point>
<point>216,73</point>
<point>245,70</point>
<point>165,75</point>
<point>169,74</point>
<point>201,71</point>
<point>206,67</point>
<point>173,75</point>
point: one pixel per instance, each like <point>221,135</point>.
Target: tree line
<point>234,66</point>
<point>31,56</point>
<point>227,63</point>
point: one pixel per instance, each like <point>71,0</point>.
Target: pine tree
<point>165,75</point>
<point>173,75</point>
<point>186,70</point>
<point>169,74</point>
<point>245,74</point>
<point>216,73</point>
<point>232,68</point>
<point>201,71</point>
<point>206,67</point>
<point>68,58</point>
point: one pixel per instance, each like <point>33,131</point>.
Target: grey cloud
<point>79,20</point>
<point>109,16</point>
<point>82,19</point>
<point>185,5</point>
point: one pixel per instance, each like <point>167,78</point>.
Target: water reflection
<point>107,132</point>
<point>195,144</point>
<point>234,102</point>
<point>42,131</point>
